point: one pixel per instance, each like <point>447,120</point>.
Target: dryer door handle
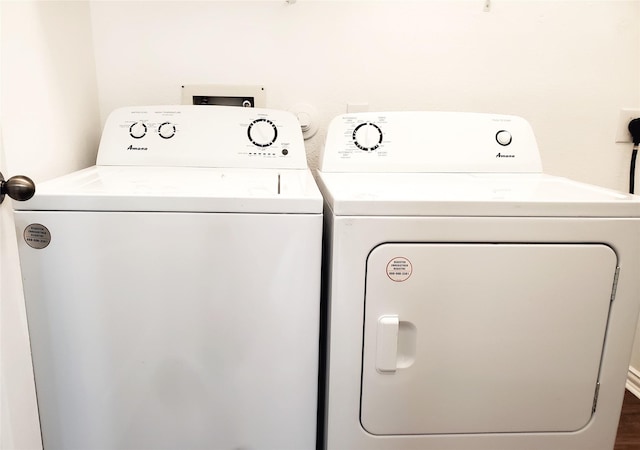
<point>387,344</point>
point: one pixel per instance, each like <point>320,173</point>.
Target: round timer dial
<point>367,136</point>
<point>262,132</point>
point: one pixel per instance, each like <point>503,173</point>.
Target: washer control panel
<point>202,136</point>
<point>429,142</point>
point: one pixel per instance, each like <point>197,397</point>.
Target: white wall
<point>49,96</point>
<point>50,121</point>
<point>566,66</point>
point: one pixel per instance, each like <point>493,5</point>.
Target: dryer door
<point>483,338</point>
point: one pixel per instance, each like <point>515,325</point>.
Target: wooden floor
<point>629,428</point>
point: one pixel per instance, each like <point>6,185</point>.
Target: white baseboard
<point>633,381</point>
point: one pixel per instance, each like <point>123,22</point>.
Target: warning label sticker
<point>37,236</point>
<point>399,269</point>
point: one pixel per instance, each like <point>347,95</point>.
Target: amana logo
<point>131,147</point>
<point>502,155</point>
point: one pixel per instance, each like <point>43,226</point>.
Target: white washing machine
<point>173,289</point>
<point>473,302</point>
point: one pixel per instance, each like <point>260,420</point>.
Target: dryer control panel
<point>202,136</point>
<point>429,142</point>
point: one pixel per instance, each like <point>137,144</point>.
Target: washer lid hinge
<point>615,284</point>
<point>595,398</point>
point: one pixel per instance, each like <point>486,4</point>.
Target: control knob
<point>503,137</point>
<point>138,130</point>
<point>167,130</point>
<point>262,132</point>
<point>367,136</point>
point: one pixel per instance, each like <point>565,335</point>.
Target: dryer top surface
<point>471,194</point>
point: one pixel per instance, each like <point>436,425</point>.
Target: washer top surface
<point>429,163</point>
<point>180,189</point>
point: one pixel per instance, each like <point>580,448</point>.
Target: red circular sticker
<point>399,269</point>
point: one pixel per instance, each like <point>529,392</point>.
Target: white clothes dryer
<point>173,289</point>
<point>473,302</point>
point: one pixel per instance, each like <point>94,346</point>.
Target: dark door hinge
<point>614,289</point>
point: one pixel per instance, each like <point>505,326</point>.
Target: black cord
<point>634,129</point>
<point>632,170</point>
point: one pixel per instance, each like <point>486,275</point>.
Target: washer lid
<point>179,189</point>
<point>471,194</point>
